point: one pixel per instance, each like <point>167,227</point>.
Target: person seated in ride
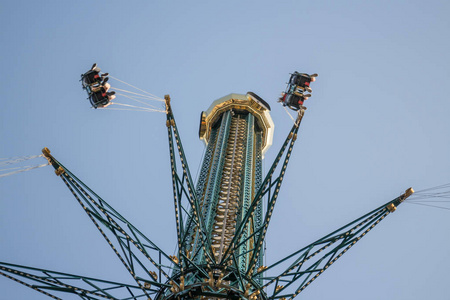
<point>300,99</point>
<point>109,97</point>
<point>93,76</point>
<point>293,100</point>
<point>104,87</point>
<point>100,94</point>
<point>302,80</point>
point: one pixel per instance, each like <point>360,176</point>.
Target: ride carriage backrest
<point>92,77</point>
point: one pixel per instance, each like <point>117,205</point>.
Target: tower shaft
<point>236,129</point>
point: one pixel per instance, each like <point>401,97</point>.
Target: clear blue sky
<point>377,124</point>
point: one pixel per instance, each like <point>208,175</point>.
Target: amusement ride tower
<point>221,221</point>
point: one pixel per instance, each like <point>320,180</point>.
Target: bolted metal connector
<point>406,194</point>
<point>174,258</point>
<point>153,274</point>
<point>391,207</point>
<point>59,171</point>
<point>260,269</point>
<point>46,153</point>
<point>409,192</point>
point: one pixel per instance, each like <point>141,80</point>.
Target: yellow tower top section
<point>251,103</point>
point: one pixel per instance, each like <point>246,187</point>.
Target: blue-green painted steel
<point>209,201</point>
<point>247,188</point>
<point>221,227</point>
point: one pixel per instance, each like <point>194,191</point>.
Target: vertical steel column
<point>247,188</point>
<point>258,217</point>
<point>200,190</point>
<point>213,184</point>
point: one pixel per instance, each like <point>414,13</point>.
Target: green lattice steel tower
<point>237,130</point>
<point>221,223</point>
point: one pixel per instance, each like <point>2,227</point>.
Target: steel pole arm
<point>183,185</point>
<point>132,247</point>
<point>268,187</point>
<point>48,282</point>
<point>305,265</point>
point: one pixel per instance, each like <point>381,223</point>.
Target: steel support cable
<point>124,109</point>
<point>262,190</point>
<point>327,241</point>
<point>271,206</point>
<point>192,197</point>
<point>429,201</point>
<point>432,195</point>
<point>446,185</point>
<point>138,244</point>
<point>136,107</point>
<point>175,179</point>
<point>349,238</point>
<point>4,162</point>
<point>137,95</point>
<point>339,233</point>
<point>30,286</point>
<point>425,197</point>
<point>14,160</point>
<point>140,101</point>
<point>104,235</point>
<point>53,278</point>
<point>117,227</point>
<point>24,169</point>
<point>110,209</point>
<point>190,236</point>
<point>136,88</point>
<point>290,116</point>
<point>300,289</point>
<point>176,197</point>
<point>53,284</point>
<point>423,204</point>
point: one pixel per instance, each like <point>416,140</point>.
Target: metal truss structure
<point>221,222</point>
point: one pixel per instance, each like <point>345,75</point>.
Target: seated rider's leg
<point>98,97</point>
<point>95,89</point>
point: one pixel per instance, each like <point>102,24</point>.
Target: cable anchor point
<point>167,101</point>
<point>393,205</point>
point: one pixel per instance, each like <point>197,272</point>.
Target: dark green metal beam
<point>133,248</point>
<point>305,265</point>
<point>183,185</point>
<point>48,282</point>
<point>270,188</point>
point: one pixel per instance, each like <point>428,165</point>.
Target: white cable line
<point>146,97</point>
<point>143,108</point>
<point>292,118</point>
<point>142,97</point>
<point>15,168</point>
<point>135,108</point>
<point>124,109</point>
<point>428,201</point>
<point>130,97</point>
<point>434,188</point>
<point>30,168</point>
<point>135,87</point>
<point>428,205</point>
<point>13,160</point>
